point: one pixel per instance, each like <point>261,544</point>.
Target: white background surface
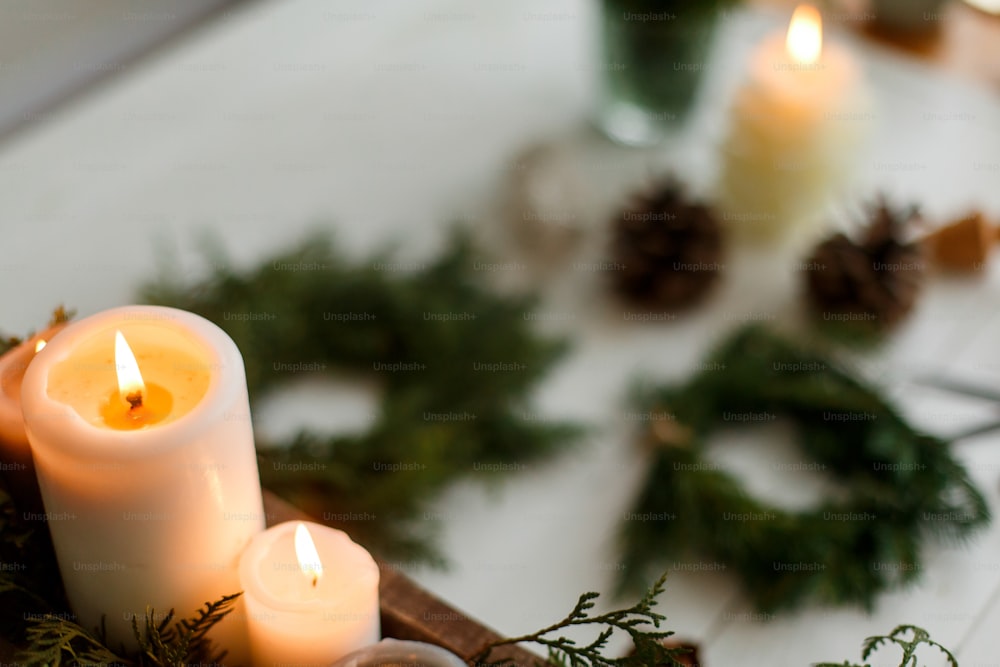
<point>50,49</point>
<point>386,120</point>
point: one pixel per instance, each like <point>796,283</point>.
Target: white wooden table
<point>385,120</point>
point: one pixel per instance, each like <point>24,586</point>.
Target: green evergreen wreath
<point>901,484</point>
<point>454,359</point>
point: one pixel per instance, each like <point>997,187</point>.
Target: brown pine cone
<point>668,249</point>
<point>872,284</point>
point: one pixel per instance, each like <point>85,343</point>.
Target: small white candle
<point>151,487</point>
<point>392,652</point>
<point>15,453</point>
<point>311,595</point>
<point>796,128</point>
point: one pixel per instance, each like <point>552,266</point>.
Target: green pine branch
<point>167,644</point>
<point>909,646</point>
<point>639,621</point>
<point>54,640</point>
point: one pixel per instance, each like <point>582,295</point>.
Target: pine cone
<point>873,283</point>
<point>668,249</point>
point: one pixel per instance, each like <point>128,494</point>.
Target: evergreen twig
<point>180,643</point>
<point>919,637</point>
<point>53,640</point>
<point>636,621</point>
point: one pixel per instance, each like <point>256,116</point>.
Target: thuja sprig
<point>639,621</point>
<point>183,642</point>
<point>917,638</point>
<point>54,640</point>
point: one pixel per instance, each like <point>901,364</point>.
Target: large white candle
<point>797,125</point>
<point>15,453</point>
<point>152,485</point>
<point>311,595</point>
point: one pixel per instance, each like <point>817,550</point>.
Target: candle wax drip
<point>136,410</point>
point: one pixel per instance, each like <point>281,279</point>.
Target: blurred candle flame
<point>805,35</point>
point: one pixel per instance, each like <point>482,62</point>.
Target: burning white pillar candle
<point>147,467</point>
<point>311,595</point>
<point>15,453</point>
<point>797,125</point>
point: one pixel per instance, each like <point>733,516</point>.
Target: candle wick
<point>315,580</point>
<point>134,400</point>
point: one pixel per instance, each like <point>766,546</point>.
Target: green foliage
<point>919,637</point>
<point>900,484</point>
<point>424,337</point>
<point>185,641</point>
<point>639,621</point>
<point>54,640</point>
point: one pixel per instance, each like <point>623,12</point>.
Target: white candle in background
<point>147,467</point>
<point>797,126</point>
<point>311,595</point>
<point>15,453</point>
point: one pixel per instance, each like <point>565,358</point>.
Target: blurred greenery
<point>899,484</point>
<point>455,360</point>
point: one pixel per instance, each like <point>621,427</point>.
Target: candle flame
<point>305,551</point>
<point>805,35</point>
<point>130,384</point>
<point>39,345</point>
